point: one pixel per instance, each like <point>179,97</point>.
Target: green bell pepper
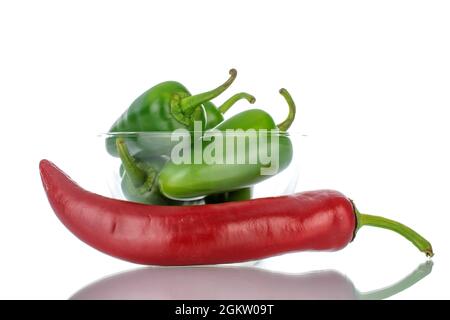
<point>183,181</point>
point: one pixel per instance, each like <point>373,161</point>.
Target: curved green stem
<point>375,221</point>
<point>137,175</point>
<point>421,272</point>
<point>231,101</point>
<point>187,104</point>
<point>284,126</point>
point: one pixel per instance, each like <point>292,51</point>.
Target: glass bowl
<point>238,165</point>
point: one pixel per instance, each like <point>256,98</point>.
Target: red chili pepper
<point>210,234</point>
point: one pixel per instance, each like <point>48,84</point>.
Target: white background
<point>371,80</point>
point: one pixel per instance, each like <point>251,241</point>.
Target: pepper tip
<point>44,164</point>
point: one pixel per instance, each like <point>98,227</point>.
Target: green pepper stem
<point>421,272</point>
<point>284,126</point>
<point>137,175</point>
<point>231,101</point>
<point>189,103</point>
<point>375,221</point>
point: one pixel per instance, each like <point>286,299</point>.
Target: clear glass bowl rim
<point>200,133</point>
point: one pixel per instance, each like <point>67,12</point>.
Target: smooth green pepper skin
<point>214,115</point>
<point>139,174</point>
<point>188,181</point>
<point>145,193</point>
<point>160,143</point>
<point>249,119</point>
<point>191,181</point>
<point>230,196</point>
<point>148,194</point>
<point>154,110</point>
<point>166,107</point>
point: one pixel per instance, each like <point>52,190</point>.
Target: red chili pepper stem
<point>231,101</point>
<point>380,222</point>
<point>137,175</point>
<point>284,126</point>
<point>188,104</point>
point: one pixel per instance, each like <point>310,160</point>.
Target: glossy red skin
<point>207,234</point>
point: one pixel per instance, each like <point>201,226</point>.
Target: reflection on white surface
<point>191,283</point>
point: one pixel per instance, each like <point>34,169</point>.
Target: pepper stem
<point>375,221</point>
<point>187,104</point>
<point>421,272</point>
<point>231,101</point>
<point>284,126</point>
<point>137,175</point>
